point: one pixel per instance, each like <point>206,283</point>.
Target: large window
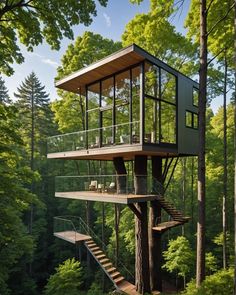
<point>113,109</point>
<point>122,107</point>
<point>160,105</point>
<point>93,114</point>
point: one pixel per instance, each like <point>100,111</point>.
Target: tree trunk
<point>224,222</point>
<point>117,223</point>
<point>142,273</point>
<point>235,147</point>
<point>155,250</point>
<point>200,271</point>
<point>120,175</point>
<point>183,191</point>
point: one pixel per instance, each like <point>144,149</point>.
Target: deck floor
<point>71,236</point>
<point>106,197</point>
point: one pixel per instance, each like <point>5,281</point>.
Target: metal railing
<point>111,184</point>
<point>78,225</point>
<point>127,133</point>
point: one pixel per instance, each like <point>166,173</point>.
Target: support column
<point>155,250</point>
<point>142,273</point>
<point>121,175</point>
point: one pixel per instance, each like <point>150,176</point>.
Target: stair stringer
<point>120,284</point>
<point>175,214</point>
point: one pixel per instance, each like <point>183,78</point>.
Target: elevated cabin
<point>135,104</point>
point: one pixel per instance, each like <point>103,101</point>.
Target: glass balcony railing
<point>127,133</point>
<point>111,184</point>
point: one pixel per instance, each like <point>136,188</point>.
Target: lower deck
<point>106,197</point>
<point>71,236</point>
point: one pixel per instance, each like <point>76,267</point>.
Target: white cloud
<point>50,62</point>
<point>107,19</point>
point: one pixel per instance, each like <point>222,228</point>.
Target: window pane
<point>168,123</point>
<point>168,86</point>
<point>195,96</point>
<point>195,121</point>
<point>93,124</point>
<point>136,94</point>
<point>122,88</point>
<point>107,127</point>
<point>93,96</point>
<point>188,119</point>
<point>107,92</point>
<point>151,80</point>
<point>151,121</point>
<point>122,104</point>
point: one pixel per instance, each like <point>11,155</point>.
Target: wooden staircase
<point>177,216</point>
<point>114,275</point>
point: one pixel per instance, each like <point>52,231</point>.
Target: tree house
<point>136,108</point>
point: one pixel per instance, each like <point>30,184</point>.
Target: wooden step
<point>111,270</point>
<point>115,275</point>
<point>118,280</point>
<point>107,265</point>
<point>94,248</point>
<point>97,252</point>
<point>105,260</point>
<point>89,242</point>
<point>99,257</point>
<point>92,245</point>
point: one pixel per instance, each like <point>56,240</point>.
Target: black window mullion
<point>100,115</point>
<point>131,105</point>
<point>114,111</point>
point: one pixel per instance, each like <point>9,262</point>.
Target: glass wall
<point>113,110</point>
<point>160,105</point>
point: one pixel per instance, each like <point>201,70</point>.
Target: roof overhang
<point>109,65</point>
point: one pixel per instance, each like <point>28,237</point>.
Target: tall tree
<point>200,276</point>
<point>15,199</point>
<point>36,118</point>
<point>234,147</point>
<point>4,96</point>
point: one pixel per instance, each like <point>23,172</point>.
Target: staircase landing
<point>71,236</point>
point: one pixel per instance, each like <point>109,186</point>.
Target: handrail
<point>94,129</point>
<point>90,232</point>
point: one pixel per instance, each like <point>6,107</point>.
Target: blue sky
<point>110,23</point>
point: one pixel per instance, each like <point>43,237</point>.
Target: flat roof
<point>118,61</point>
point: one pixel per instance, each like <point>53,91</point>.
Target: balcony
<point>84,143</point>
<point>107,188</point>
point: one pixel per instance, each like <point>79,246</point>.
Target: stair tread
<point>104,260</point>
<point>107,264</point>
<point>111,270</point>
<point>100,256</point>
<point>115,274</point>
<point>97,252</point>
<point>119,280</point>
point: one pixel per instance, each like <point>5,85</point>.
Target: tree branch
<point>220,20</point>
<point>209,6</point>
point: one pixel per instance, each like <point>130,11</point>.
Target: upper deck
<point>134,104</point>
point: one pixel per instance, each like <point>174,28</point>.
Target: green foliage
<point>211,263</point>
<point>67,279</point>
<point>95,289</point>
<point>179,257</point>
<point>4,96</point>
<point>87,49</point>
<point>221,37</point>
<point>220,283</point>
<point>15,242</point>
<point>31,22</point>
<point>154,33</point>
